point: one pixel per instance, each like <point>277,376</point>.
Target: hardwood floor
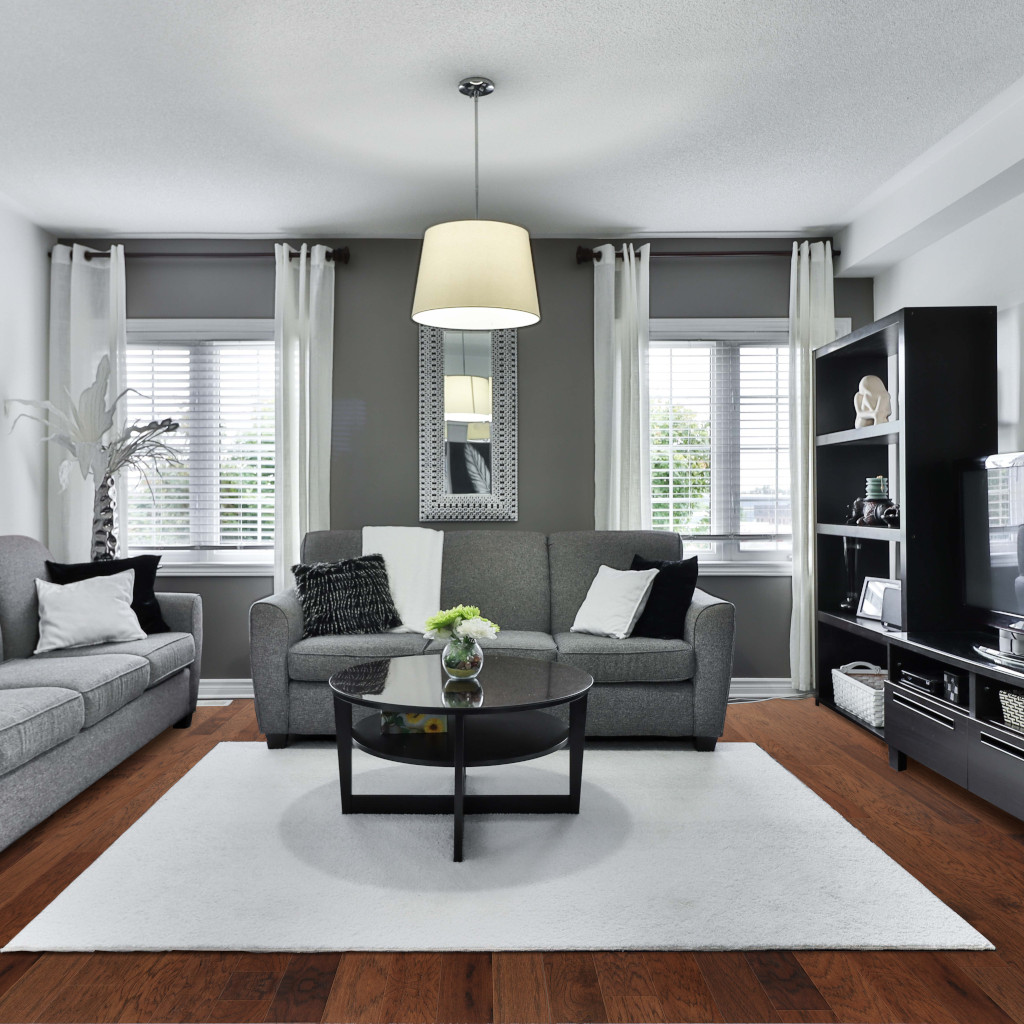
<point>967,852</point>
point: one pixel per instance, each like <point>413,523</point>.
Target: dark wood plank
<point>785,981</point>
<point>520,988</point>
<point>13,966</point>
<point>574,992</point>
<point>735,988</point>
<point>681,988</point>
<point>302,993</point>
<point>238,1011</point>
<point>995,977</point>
<point>201,975</point>
<point>26,998</point>
<point>844,986</point>
<point>806,1017</point>
<point>251,985</point>
<point>357,996</point>
<point>413,988</point>
<point>107,986</point>
<point>465,989</point>
<point>626,987</point>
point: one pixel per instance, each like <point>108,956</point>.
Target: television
<point>992,496</point>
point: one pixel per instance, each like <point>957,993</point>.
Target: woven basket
<point>858,689</point>
<point>1012,703</point>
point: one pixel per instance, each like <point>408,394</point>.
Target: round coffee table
<point>498,721</point>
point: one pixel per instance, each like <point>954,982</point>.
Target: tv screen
<point>993,540</point>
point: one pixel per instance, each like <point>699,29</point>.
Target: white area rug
<point>671,850</point>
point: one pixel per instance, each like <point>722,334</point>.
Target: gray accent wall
<point>374,439</point>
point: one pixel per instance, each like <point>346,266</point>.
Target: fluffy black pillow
<point>350,596</point>
<point>144,602</point>
<point>670,597</point>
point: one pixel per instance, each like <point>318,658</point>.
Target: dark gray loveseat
<point>67,717</point>
<point>532,585</point>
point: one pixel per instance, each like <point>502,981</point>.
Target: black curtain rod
<point>585,255</point>
<point>334,255</point>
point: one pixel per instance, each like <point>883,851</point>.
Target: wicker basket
<point>1012,703</point>
<point>858,689</point>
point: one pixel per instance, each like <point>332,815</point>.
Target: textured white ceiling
<point>340,117</point>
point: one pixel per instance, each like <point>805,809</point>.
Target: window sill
<point>743,568</point>
<point>215,569</point>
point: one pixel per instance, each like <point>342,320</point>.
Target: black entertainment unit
<point>942,698</point>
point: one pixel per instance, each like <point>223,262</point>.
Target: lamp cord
<point>476,153</point>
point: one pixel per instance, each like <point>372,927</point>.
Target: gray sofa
<point>67,717</point>
<point>532,585</point>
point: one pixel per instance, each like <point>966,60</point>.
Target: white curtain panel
<point>87,322</point>
<point>811,324</point>
<point>304,336</point>
<point>622,461</point>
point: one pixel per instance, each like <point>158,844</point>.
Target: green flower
<point>442,625</point>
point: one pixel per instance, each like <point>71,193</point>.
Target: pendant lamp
<point>476,275</point>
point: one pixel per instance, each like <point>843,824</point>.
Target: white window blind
<point>220,501</point>
<point>719,414</point>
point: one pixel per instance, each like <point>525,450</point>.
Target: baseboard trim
<point>760,688</point>
<point>225,689</point>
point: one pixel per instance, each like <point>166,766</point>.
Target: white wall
<point>981,264</point>
<point>24,301</point>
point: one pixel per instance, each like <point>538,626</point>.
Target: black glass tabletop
<point>420,684</point>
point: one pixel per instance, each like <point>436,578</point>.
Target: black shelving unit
<point>923,354</point>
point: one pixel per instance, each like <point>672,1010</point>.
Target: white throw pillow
<point>93,611</point>
<point>615,601</point>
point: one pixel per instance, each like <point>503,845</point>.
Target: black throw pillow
<point>350,596</point>
<point>670,597</point>
<point>144,602</point>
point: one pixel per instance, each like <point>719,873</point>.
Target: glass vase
<point>462,658</point>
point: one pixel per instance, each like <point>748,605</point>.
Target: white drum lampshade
<point>476,275</point>
<point>467,398</point>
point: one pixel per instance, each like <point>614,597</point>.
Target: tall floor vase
<point>104,543</point>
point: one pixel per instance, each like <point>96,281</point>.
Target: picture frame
<point>870,604</point>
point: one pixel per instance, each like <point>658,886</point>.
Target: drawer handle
<point>920,709</point>
<point>1003,748</point>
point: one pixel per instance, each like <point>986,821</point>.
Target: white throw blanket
<point>413,559</point>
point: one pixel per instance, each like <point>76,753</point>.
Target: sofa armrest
<point>183,613</point>
<point>275,623</point>
<point>711,627</point>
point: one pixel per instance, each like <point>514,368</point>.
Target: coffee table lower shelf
<point>472,741</point>
<point>490,739</point>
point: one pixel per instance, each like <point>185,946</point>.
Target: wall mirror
<point>467,425</point>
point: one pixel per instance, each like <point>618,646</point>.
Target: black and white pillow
<point>350,596</point>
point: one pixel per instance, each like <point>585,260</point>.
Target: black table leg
<point>577,735</point>
<point>460,782</point>
<point>343,725</point>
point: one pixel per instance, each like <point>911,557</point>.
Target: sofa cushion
<point>166,653</point>
<point>317,658</point>
<point>575,558</point>
<point>105,681</point>
<point>36,719</point>
<point>503,572</point>
<point>635,659</point>
<point>517,643</point>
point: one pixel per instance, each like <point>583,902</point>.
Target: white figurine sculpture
<point>871,403</point>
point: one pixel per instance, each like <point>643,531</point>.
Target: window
<point>217,378</point>
<point>719,434</point>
